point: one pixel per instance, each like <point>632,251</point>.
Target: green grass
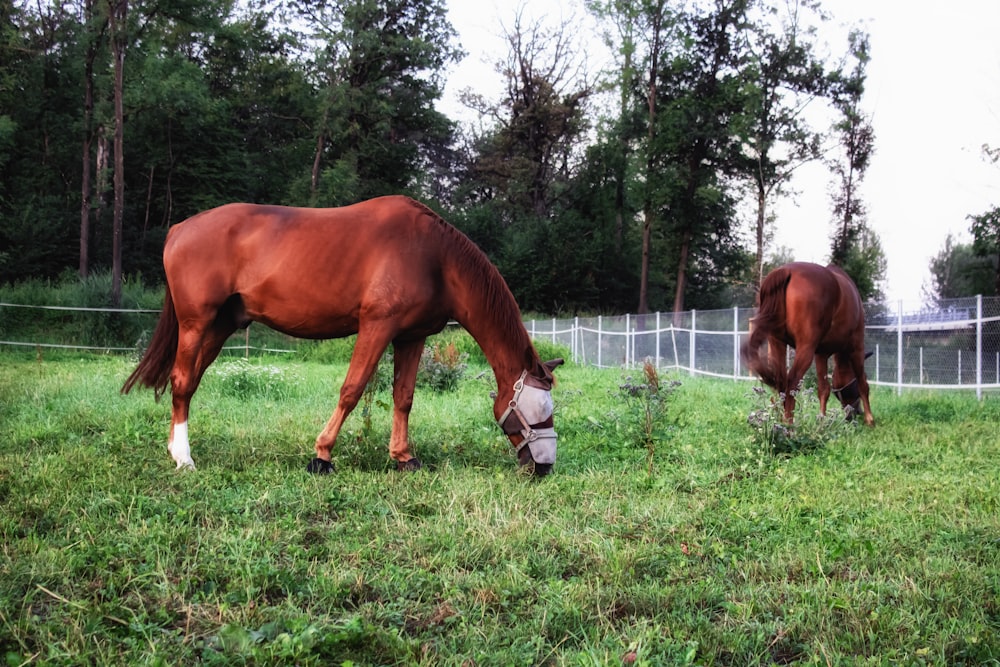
<point>868,546</point>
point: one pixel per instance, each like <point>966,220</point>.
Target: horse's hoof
<point>319,467</point>
<point>412,464</point>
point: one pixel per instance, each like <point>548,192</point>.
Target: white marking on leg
<point>179,447</point>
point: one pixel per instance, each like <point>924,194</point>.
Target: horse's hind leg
<point>197,347</point>
<point>804,355</point>
<point>858,365</point>
<point>822,382</point>
<point>368,349</point>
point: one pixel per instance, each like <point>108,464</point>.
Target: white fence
<point>953,346</point>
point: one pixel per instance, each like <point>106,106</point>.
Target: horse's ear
<point>552,364</point>
<point>868,354</point>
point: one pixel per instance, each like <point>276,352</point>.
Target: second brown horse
<point>817,311</point>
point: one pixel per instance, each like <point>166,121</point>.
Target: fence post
<point>736,342</point>
<point>979,346</point>
<point>600,321</point>
<point>694,320</point>
<point>628,337</point>
<point>657,339</point>
<point>576,338</point>
<point>899,350</point>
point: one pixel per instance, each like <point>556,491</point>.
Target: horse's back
<point>309,272</point>
<point>823,304</point>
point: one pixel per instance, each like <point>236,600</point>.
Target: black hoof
<point>412,464</point>
<point>319,467</point>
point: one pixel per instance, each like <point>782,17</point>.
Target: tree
<point>866,264</point>
<point>957,271</point>
<point>986,241</point>
<point>622,130</point>
<point>857,139</point>
<point>380,64</point>
<point>702,130</point>
<point>528,154</point>
<point>785,75</point>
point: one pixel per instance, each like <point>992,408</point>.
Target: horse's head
<point>845,388</point>
<point>524,413</point>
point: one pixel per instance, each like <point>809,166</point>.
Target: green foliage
<point>958,271</point>
<point>94,328</point>
<point>986,241</point>
<point>325,104</point>
<point>865,262</point>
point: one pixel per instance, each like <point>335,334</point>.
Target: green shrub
<point>441,367</point>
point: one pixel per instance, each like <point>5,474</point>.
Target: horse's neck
<point>501,335</point>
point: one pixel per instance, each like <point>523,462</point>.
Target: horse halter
<point>849,393</point>
<point>850,397</point>
<point>529,414</point>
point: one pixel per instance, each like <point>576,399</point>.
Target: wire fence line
<point>954,345</point>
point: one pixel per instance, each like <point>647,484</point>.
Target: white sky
<point>934,94</point>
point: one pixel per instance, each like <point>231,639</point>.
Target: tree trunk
<point>88,109</point>
<point>682,263</point>
<point>648,214</point>
<point>88,121</point>
<point>320,143</point>
<point>118,15</point>
<point>761,222</point>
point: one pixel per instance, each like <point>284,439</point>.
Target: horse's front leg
<point>406,360</point>
<point>368,349</point>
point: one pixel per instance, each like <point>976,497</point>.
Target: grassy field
<point>673,531</point>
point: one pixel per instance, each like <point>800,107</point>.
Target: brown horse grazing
<point>389,270</point>
<point>816,310</point>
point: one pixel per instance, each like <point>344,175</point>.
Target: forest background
<point>650,185</point>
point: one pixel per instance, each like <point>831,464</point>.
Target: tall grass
<point>873,546</point>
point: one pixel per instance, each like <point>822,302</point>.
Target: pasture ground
<point>699,544</point>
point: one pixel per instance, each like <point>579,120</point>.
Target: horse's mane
<point>484,278</point>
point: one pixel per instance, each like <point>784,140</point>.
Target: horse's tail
<point>770,318</point>
<point>154,369</point>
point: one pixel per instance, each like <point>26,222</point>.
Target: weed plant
<point>646,401</point>
<point>810,430</point>
<point>441,366</point>
<point>249,380</point>
<point>877,548</point>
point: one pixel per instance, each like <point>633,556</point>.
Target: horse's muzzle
<point>538,450</point>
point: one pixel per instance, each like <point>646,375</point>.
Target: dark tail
<point>154,369</point>
<point>770,317</point>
